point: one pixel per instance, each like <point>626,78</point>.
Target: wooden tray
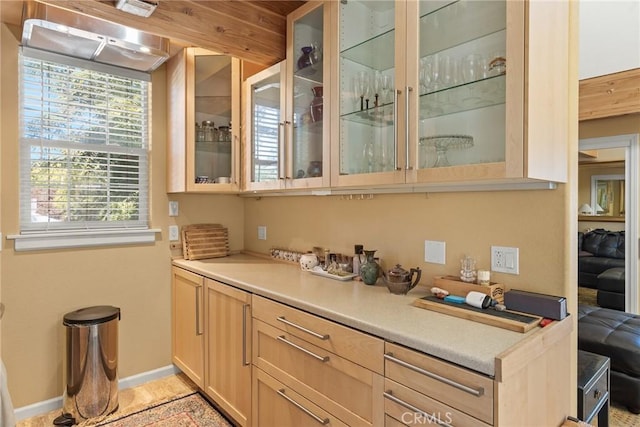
<point>455,286</point>
<point>511,320</point>
<point>201,241</point>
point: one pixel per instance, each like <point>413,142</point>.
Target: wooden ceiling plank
<point>279,7</point>
<point>246,12</point>
<point>193,24</point>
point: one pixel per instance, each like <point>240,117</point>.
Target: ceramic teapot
<point>400,281</point>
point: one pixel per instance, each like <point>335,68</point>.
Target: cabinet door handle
<point>476,392</point>
<point>323,421</point>
<point>407,166</point>
<point>396,93</point>
<point>245,308</point>
<point>284,156</point>
<point>323,337</point>
<point>430,418</point>
<point>281,143</point>
<point>323,359</point>
<point>198,303</point>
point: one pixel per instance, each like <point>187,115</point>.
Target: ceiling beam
<point>239,28</point>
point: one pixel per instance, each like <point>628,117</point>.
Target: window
<point>83,148</point>
<point>265,148</point>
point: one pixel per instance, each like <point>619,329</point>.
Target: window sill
<point>81,239</point>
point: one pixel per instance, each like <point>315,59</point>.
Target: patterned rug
<point>187,411</point>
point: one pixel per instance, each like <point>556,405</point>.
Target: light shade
<point>599,209</point>
<point>585,210</point>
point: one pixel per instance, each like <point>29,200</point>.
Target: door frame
<point>631,199</point>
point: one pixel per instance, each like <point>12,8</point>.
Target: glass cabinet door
<point>461,87</point>
<point>212,113</point>
<point>368,100</point>
<point>264,166</point>
<point>307,115</point>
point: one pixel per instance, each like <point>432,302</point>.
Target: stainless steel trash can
<point>91,380</point>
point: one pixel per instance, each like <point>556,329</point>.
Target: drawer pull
<point>303,329</point>
<point>596,394</point>
<point>304,350</point>
<point>323,421</point>
<point>245,308</point>
<point>476,392</point>
<point>427,417</point>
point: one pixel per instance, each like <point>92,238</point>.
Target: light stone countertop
<point>372,309</point>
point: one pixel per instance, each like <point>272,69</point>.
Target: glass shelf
<point>380,116</point>
<point>458,23</point>
<point>312,74</point>
<point>373,53</point>
<point>465,97</point>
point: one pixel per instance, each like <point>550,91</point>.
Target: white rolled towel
<point>7,418</point>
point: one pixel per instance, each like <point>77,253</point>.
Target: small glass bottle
<point>356,259</point>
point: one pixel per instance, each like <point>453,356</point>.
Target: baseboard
<point>45,406</point>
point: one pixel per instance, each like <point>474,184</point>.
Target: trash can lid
<point>91,315</point>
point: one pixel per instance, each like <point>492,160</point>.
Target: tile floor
<point>130,399</point>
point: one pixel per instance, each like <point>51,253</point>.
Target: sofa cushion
<point>611,333</point>
<point>603,243</point>
<point>597,265</point>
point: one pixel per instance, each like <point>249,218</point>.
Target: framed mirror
<point>607,195</point>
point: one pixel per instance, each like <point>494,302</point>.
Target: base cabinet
<point>228,349</point>
<point>187,314</point>
<point>319,361</point>
<point>211,334</point>
<point>278,405</point>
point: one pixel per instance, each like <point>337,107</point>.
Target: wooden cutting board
<point>201,241</point>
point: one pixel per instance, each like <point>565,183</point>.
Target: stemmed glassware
<point>362,87</point>
<point>386,84</point>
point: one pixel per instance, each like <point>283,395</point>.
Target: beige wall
<point>38,288</point>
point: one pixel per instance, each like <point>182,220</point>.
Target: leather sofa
<point>616,335</point>
<point>601,265</point>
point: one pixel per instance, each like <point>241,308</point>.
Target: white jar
<point>308,261</point>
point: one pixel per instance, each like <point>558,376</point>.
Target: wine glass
<point>377,86</point>
<point>386,85</point>
<point>362,86</point>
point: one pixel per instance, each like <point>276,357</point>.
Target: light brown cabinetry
<point>286,118</point>
<point>441,105</point>
<point>211,340</point>
<point>418,386</point>
<point>336,368</point>
<point>228,349</point>
<point>187,324</point>
<point>203,102</point>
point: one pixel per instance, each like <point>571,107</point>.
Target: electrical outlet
<point>505,260</point>
<point>262,232</point>
<point>173,208</point>
<point>174,235</point>
<point>435,252</point>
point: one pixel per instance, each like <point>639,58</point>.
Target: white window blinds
<point>84,148</point>
<point>265,149</point>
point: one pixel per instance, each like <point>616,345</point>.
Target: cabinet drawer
<point>457,387</point>
<point>412,408</point>
<point>346,342</point>
<point>278,405</point>
<point>336,384</point>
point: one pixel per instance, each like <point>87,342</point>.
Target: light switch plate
<point>505,259</point>
<point>435,251</point>
<point>174,235</point>
<point>173,208</point>
<point>262,232</point>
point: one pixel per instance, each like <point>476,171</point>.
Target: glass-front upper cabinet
<point>263,95</point>
<point>422,91</point>
<point>288,120</point>
<point>460,87</point>
<point>369,93</point>
<point>308,115</point>
<point>203,103</point>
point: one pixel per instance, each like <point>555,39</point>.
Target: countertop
<point>372,309</point>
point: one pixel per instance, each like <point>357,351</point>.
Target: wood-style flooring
<point>130,399</point>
